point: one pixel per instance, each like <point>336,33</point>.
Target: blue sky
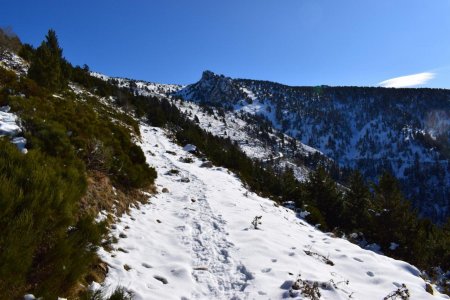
<point>296,42</point>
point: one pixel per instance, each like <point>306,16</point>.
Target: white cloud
<point>409,80</point>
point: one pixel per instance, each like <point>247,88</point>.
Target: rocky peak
<point>214,89</point>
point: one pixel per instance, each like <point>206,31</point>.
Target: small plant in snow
<point>319,257</point>
<point>331,284</point>
<point>402,293</point>
<point>308,289</point>
<point>256,221</point>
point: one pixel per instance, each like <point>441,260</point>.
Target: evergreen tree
<point>357,203</point>
<point>321,191</point>
<point>290,187</point>
<point>393,219</point>
<point>48,68</point>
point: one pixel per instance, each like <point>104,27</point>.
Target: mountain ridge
<point>359,127</point>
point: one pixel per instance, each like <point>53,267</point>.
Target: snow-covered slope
<point>141,87</point>
<point>194,240</point>
<point>259,142</point>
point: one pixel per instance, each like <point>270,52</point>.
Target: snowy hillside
<point>405,131</point>
<point>195,240</point>
<point>141,87</point>
<point>258,142</point>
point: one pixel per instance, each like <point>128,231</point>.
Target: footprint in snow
<point>274,260</point>
<point>266,270</point>
<point>146,265</point>
<point>370,273</point>
<point>181,228</point>
<point>358,259</point>
<point>161,279</point>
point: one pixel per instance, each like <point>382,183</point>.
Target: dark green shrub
<point>40,238</point>
<point>119,294</point>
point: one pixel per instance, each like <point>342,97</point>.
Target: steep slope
<point>406,131</point>
<point>195,241</point>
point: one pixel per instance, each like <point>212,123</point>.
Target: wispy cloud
<point>409,80</point>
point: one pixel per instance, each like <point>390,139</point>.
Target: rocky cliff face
<point>213,89</point>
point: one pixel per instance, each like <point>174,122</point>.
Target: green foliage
<point>48,67</point>
<point>119,294</point>
<point>38,201</point>
<point>357,201</point>
<point>26,52</point>
<point>71,129</point>
<point>393,218</point>
<point>321,190</point>
<point>290,187</point>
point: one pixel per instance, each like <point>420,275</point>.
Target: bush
<point>40,238</point>
<point>119,294</point>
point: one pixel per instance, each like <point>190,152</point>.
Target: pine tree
<point>357,203</point>
<point>48,67</point>
<point>321,191</point>
<point>394,221</point>
<point>290,187</point>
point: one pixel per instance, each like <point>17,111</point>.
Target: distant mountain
<point>404,131</point>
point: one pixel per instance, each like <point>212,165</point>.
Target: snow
<point>196,241</point>
<point>9,126</point>
<point>8,122</point>
<point>20,143</point>
<point>13,62</point>
<point>393,246</point>
<point>190,148</point>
